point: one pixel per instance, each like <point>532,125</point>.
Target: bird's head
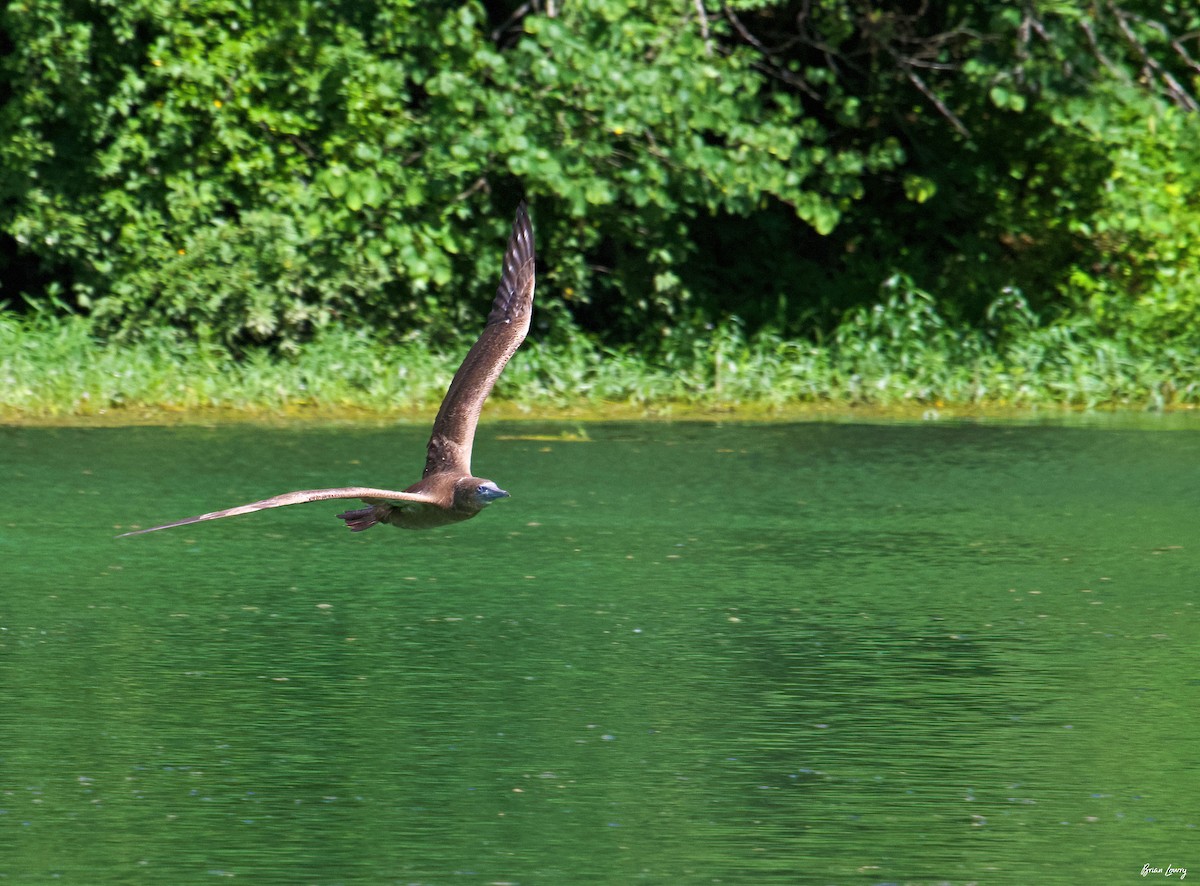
<point>474,493</point>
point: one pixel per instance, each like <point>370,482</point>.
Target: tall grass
<point>902,352</point>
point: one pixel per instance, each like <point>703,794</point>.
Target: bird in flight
<point>447,492</point>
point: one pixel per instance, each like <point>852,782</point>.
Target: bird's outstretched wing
<point>454,428</point>
<point>366,493</point>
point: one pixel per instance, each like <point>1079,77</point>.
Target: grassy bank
<point>900,356</point>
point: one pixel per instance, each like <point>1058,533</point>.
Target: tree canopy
<point>246,171</point>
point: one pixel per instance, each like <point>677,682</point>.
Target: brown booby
<point>447,492</point>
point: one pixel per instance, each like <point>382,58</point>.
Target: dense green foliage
<point>236,172</point>
<point>258,169</point>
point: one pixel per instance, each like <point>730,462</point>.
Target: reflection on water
<point>680,654</point>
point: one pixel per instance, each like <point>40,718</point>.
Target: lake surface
<point>681,653</point>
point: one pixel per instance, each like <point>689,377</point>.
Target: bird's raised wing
<point>454,428</point>
<point>366,493</point>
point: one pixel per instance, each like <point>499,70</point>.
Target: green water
<point>807,653</point>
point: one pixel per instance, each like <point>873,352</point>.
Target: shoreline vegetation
<point>898,360</point>
<point>742,210</point>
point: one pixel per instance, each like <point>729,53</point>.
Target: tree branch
<point>1150,65</point>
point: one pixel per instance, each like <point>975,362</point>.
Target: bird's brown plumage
<point>446,492</point>
<point>450,443</point>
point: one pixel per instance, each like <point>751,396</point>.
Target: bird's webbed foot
<point>360,519</point>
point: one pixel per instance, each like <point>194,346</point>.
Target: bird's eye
<point>481,489</point>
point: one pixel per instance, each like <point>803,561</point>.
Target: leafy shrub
<point>1142,275</point>
<point>237,173</point>
<point>253,172</point>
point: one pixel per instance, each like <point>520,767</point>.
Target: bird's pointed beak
<point>488,493</point>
